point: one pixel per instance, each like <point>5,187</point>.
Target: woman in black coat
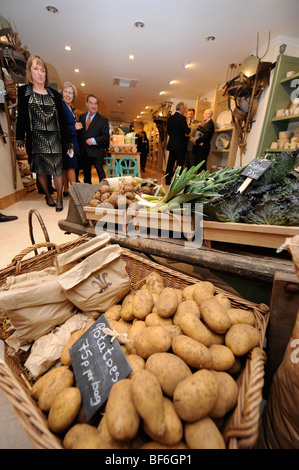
<point>42,123</point>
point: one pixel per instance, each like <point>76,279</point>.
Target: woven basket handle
<point>18,258</point>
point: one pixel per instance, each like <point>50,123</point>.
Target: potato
<point>169,369</point>
<point>187,292</point>
<point>241,338</point>
<point>196,396</point>
<point>186,306</point>
<point>121,414</point>
<point>154,283</point>
<point>136,362</point>
<point>203,291</point>
<point>76,432</point>
<point>192,352</point>
<point>203,434</point>
<point>173,433</point>
<point>53,382</point>
<point>223,358</point>
<point>64,409</point>
<point>113,313</point>
<point>236,367</point>
<point>121,327</point>
<point>65,355</point>
<point>152,339</point>
<point>142,303</point>
<point>167,302</point>
<point>126,311</point>
<point>153,319</point>
<point>173,330</point>
<point>223,300</point>
<point>239,315</point>
<point>148,398</point>
<point>106,436</point>
<point>193,327</point>
<point>137,327</point>
<point>180,295</point>
<point>227,395</point>
<point>93,441</point>
<point>215,316</point>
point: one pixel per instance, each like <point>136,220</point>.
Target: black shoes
<point>7,218</point>
<point>59,209</point>
<point>66,193</point>
<point>50,202</point>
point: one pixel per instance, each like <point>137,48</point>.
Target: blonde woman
<point>41,121</point>
<point>70,161</point>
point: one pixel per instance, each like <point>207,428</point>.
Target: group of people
<point>189,142</point>
<point>58,144</point>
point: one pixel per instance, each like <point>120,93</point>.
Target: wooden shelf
<point>290,117</point>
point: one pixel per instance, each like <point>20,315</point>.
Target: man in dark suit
<point>177,129</point>
<point>93,139</point>
<point>202,141</point>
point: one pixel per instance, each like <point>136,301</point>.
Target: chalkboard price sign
<point>256,168</point>
<point>98,362</point>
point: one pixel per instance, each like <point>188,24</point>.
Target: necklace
<point>40,108</point>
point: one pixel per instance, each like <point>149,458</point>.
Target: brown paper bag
<point>34,303</point>
<point>98,282</point>
<point>69,259</point>
<point>47,349</point>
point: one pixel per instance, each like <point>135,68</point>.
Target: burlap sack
<point>70,258</point>
<point>47,349</point>
<point>34,303</point>
<point>279,427</point>
<point>98,282</point>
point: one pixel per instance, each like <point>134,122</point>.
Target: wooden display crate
<point>268,236</point>
<point>154,221</point>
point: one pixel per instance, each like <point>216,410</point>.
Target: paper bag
<point>98,282</point>
<point>47,349</point>
<point>34,303</point>
<point>69,259</point>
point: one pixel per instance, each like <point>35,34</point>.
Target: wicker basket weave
<point>241,427</point>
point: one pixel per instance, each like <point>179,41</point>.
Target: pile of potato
<point>185,347</point>
<point>122,196</point>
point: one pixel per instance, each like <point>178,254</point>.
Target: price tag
<point>254,170</point>
<point>98,362</point>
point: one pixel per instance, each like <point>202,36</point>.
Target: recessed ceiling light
<point>210,38</point>
<point>187,66</point>
<point>77,70</point>
<point>172,82</point>
<point>82,84</point>
<point>162,92</point>
<point>68,48</point>
<point>52,9</point>
<point>131,57</point>
<point>139,24</point>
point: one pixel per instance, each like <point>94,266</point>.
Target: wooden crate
<point>154,221</point>
<point>268,236</point>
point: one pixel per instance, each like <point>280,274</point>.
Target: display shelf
<point>279,98</point>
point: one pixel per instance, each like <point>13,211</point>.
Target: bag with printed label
<point>98,282</point>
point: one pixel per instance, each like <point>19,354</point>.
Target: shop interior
<point>246,244</point>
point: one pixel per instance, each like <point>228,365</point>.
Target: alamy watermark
<point>183,222</point>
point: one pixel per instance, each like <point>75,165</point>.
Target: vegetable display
<point>185,357</point>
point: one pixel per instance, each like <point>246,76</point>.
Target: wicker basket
<point>241,427</point>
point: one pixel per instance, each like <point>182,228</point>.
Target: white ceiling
<point>102,35</point>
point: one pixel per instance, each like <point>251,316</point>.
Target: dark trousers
<point>175,157</point>
<point>98,164</point>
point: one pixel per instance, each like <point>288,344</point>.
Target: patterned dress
<point>46,139</point>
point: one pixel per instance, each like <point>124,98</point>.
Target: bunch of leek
<point>188,186</point>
